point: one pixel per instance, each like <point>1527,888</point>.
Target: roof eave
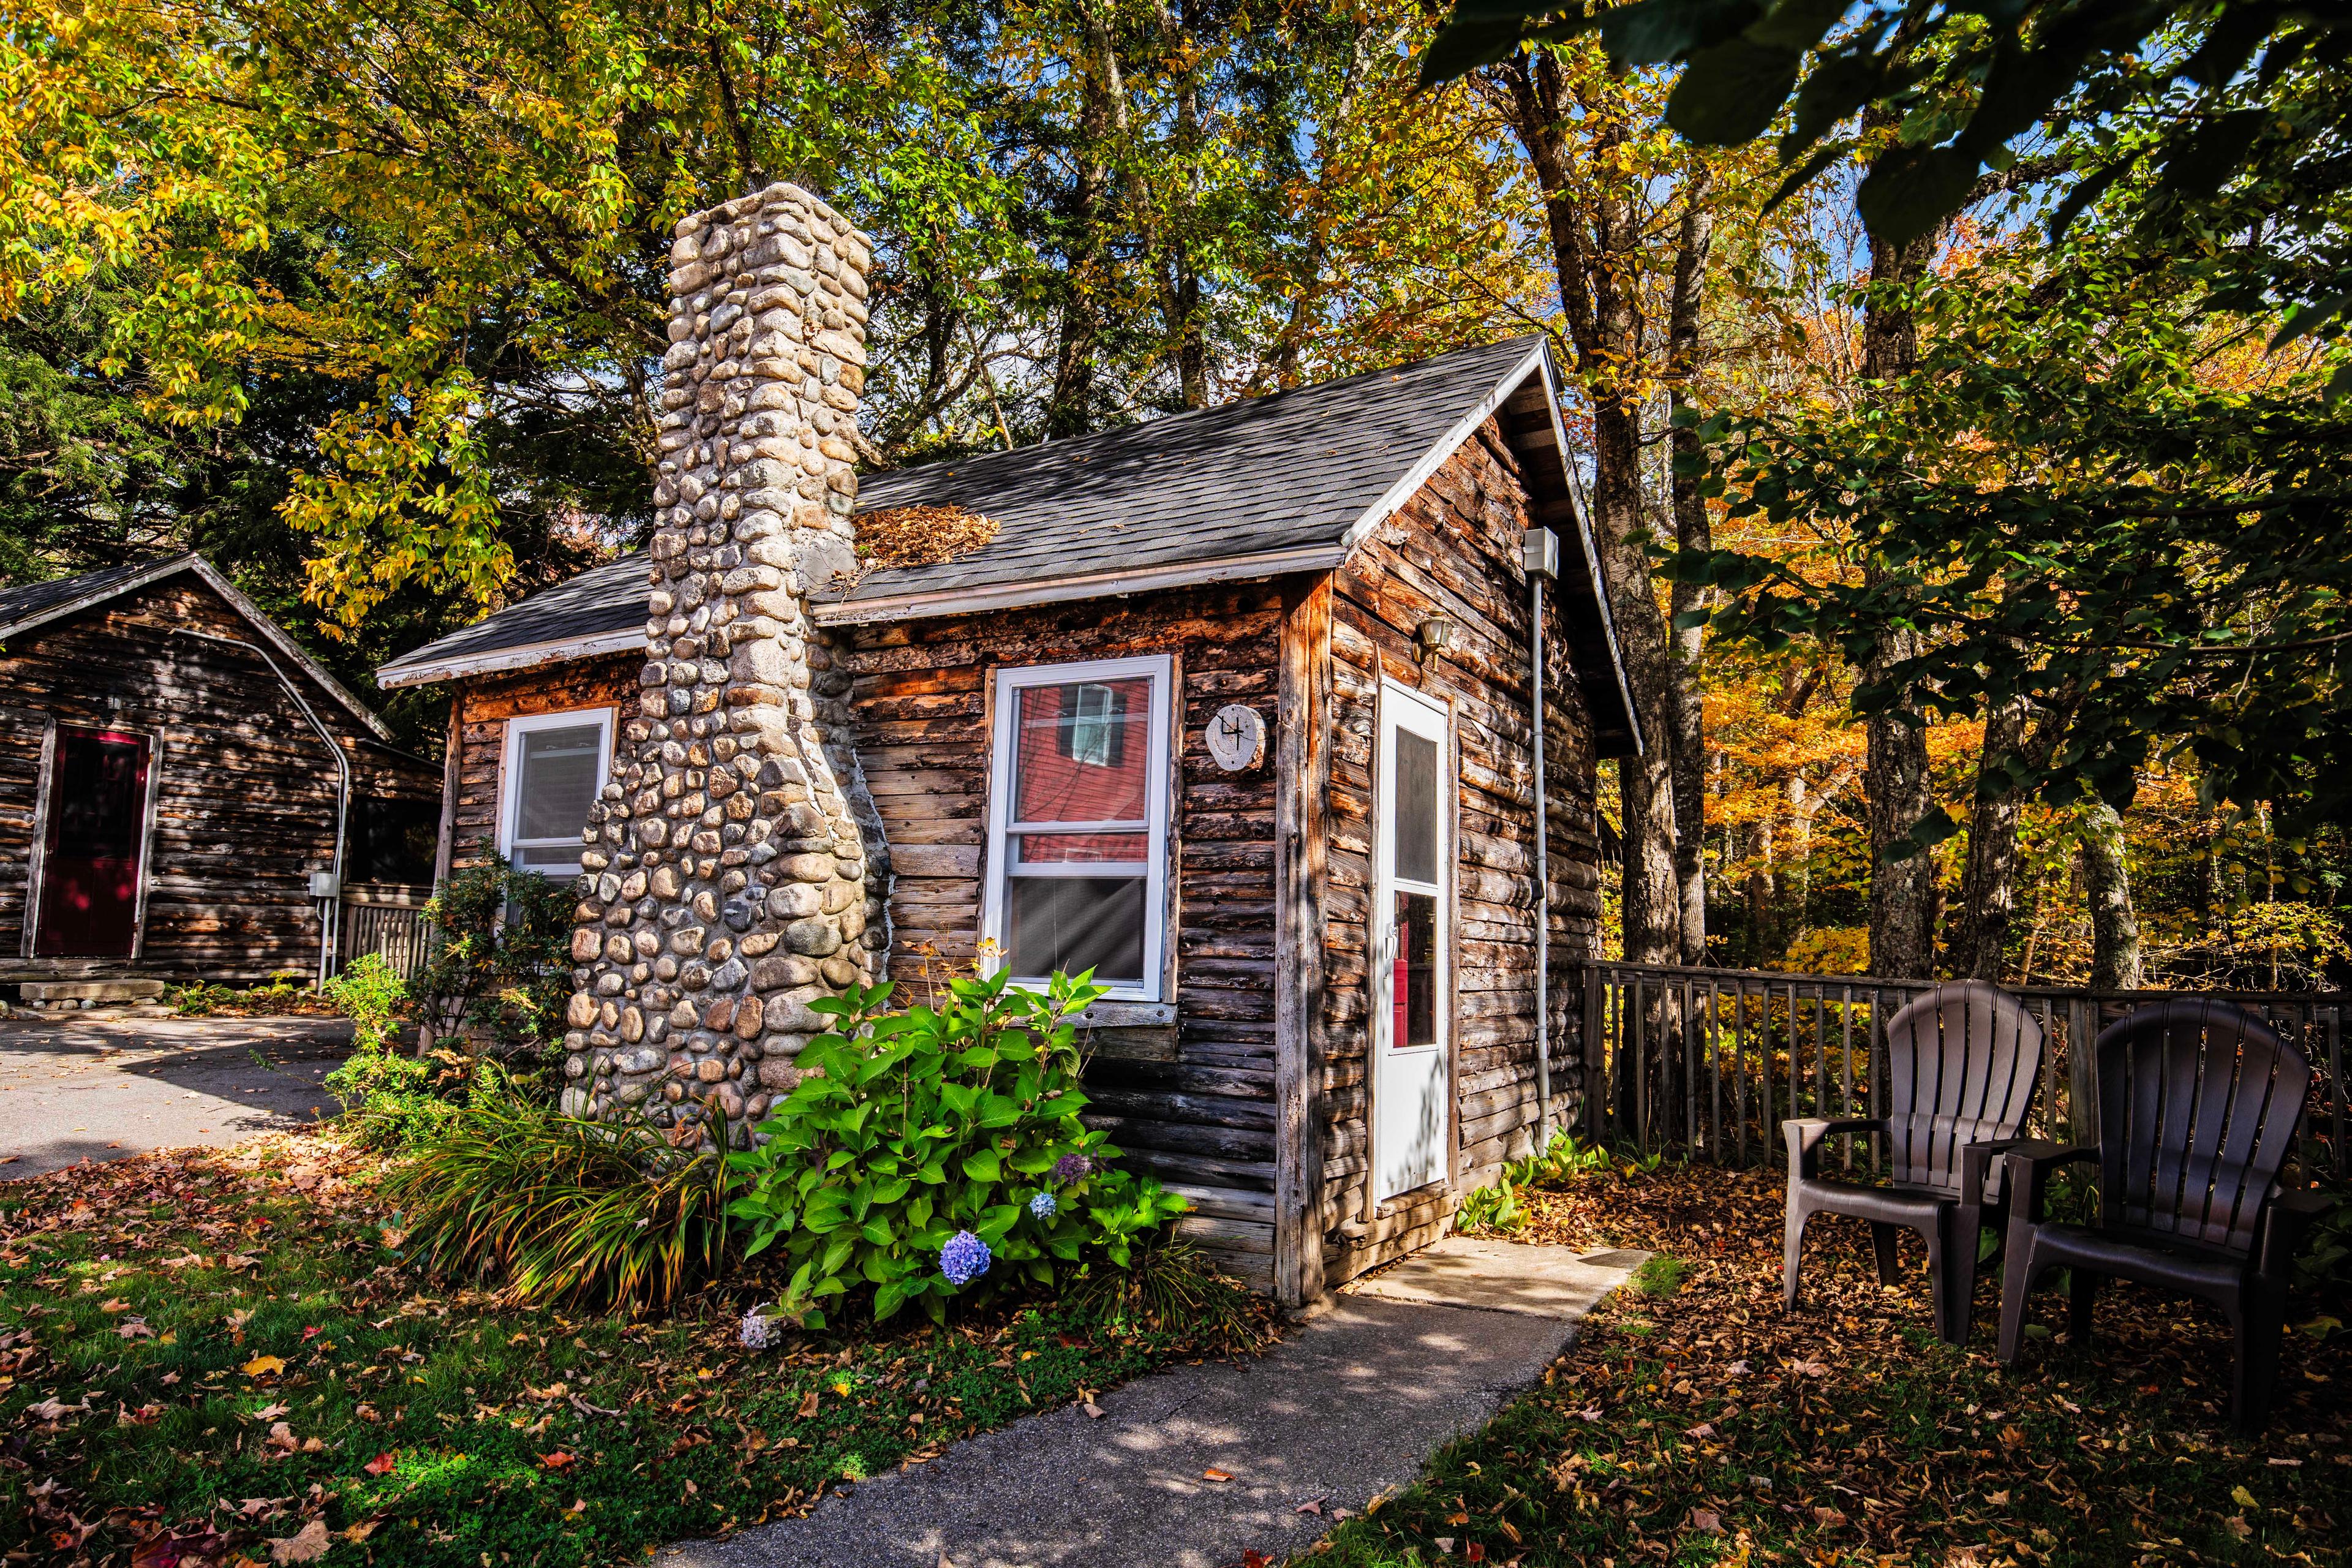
<point>252,612</point>
<point>1090,585</point>
<point>508,661</point>
<point>1553,392</point>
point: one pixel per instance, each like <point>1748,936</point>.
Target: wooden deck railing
<point>1707,1062</point>
<point>388,921</point>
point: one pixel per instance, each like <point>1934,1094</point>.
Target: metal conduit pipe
<point>1541,559</point>
<point>330,916</point>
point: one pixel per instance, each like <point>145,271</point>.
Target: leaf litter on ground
<point>307,1390</point>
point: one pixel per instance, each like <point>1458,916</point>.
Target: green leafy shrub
<point>1170,1287</point>
<point>938,1152</point>
<point>1497,1205</point>
<point>500,969</point>
<point>282,996</point>
<point>389,1099</point>
<point>561,1209</point>
<point>370,994</point>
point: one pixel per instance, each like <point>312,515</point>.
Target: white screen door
<point>1412,914</point>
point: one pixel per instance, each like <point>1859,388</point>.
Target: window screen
<point>558,771</point>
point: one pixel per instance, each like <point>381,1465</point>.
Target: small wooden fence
<point>1706,1062</point>
<point>388,921</point>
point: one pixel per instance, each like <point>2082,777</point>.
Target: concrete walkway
<point>1343,1408</point>
<point>74,1089</point>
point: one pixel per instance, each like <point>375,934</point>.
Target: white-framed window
<point>556,764</point>
<point>1077,822</point>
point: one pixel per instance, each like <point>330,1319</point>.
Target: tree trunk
<point>1596,248</point>
<point>1686,708</point>
<point>2115,928</point>
<point>1895,778</point>
<point>1988,887</point>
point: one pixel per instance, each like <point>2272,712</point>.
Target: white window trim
<point>1158,802</point>
<point>511,769</point>
<point>1404,711</point>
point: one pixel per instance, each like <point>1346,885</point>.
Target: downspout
<point>1541,558</point>
<point>330,916</point>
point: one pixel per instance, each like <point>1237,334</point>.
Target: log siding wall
<point>243,789</point>
<point>1191,1102</point>
<point>1455,549</point>
<point>478,721</point>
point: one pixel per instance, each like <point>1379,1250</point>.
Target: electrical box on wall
<point>322,885</point>
<point>1542,551</point>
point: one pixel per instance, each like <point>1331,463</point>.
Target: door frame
<point>33,888</point>
<point>1431,719</point>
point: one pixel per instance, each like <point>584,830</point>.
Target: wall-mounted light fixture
<point>1431,637</point>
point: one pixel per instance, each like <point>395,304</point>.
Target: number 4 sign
<point>1236,737</point>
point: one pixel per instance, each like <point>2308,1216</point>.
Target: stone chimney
<point>734,868</point>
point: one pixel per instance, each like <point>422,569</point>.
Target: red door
<point>89,870</point>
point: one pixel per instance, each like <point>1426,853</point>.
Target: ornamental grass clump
<point>936,1153</point>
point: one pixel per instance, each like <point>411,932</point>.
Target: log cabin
<point>1238,708</point>
<point>184,793</point>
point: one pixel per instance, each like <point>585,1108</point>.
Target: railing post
<point>2081,1072</point>
<point>1596,983</point>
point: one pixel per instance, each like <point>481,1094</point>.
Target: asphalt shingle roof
<point>1263,475</point>
<point>601,600</point>
<point>23,604</point>
<point>1256,478</point>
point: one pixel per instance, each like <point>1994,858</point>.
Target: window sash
<point>520,849</point>
<point>1107,723</point>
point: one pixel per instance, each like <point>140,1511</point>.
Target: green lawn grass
<point>1694,1422</point>
<point>204,1354</point>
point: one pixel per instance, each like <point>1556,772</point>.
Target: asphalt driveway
<point>71,1091</point>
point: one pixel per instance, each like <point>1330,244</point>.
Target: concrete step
<point>89,993</point>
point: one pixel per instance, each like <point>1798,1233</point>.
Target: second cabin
<point>1236,708</point>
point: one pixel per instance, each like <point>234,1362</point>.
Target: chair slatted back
<point>1961,1064</point>
<point>2198,1107</point>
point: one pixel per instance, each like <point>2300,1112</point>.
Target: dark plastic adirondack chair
<point>2198,1106</point>
<point>1962,1062</point>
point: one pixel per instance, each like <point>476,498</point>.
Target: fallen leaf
<point>1706,1521</point>
<point>1218,1476</point>
<point>1315,1505</point>
<point>383,1464</point>
<point>1826,1517</point>
<point>117,1305</point>
<point>2236,1525</point>
<point>314,1331</point>
<point>306,1545</point>
<point>2243,1498</point>
<point>559,1459</point>
<point>1704,1428</point>
<point>281,1437</point>
<point>361,1531</point>
<point>808,1406</point>
<point>271,1412</point>
<point>263,1366</point>
<point>1444,1544</point>
<point>1095,1411</point>
<point>133,1329</point>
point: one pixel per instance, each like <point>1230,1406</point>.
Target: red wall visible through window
<point>1081,753</point>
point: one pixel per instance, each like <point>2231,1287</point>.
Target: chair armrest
<point>2284,1219</point>
<point>1979,1164</point>
<point>1805,1137</point>
<point>2025,1170</point>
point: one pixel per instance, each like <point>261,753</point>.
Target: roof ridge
<point>1159,423</point>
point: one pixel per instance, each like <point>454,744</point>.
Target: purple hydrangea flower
<point>1070,1168</point>
<point>1043,1206</point>
<point>753,1332</point>
<point>964,1259</point>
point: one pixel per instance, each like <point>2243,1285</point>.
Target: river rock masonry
<point>734,871</point>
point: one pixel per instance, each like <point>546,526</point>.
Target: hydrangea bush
<point>936,1151</point>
